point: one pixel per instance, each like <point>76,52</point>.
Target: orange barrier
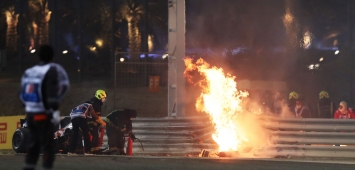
<point>8,125</point>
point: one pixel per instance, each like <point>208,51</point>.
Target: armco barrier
<point>308,151</point>
<point>321,125</point>
<point>325,138</point>
<point>307,138</point>
<point>8,125</point>
<point>172,136</point>
<point>289,137</point>
<point>159,136</point>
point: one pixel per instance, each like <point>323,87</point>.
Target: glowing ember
<point>220,99</point>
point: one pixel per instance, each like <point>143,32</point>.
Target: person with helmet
<point>96,102</point>
<point>42,89</point>
<point>79,117</point>
<point>293,96</point>
<point>344,112</point>
<point>119,122</point>
<point>301,110</point>
<point>324,105</point>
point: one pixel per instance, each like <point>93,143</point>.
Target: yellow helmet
<point>293,95</point>
<point>100,94</point>
<point>323,94</point>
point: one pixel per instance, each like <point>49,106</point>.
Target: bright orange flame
<point>220,99</point>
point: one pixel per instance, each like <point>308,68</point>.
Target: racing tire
<point>19,140</point>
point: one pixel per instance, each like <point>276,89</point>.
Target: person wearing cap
<point>119,123</point>
<point>42,89</point>
<point>324,105</point>
<point>344,112</point>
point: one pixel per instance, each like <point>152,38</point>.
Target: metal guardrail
<point>323,125</point>
<point>290,151</point>
<point>172,136</point>
<point>305,138</point>
<point>324,138</point>
<point>321,138</point>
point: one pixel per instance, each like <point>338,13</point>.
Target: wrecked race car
<point>61,136</point>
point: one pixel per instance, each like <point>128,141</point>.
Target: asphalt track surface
<point>9,162</point>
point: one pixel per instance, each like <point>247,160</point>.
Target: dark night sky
<point>255,24</point>
<point>259,22</point>
<point>231,23</point>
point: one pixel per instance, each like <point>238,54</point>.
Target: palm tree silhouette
<point>11,32</point>
<point>132,12</point>
<point>39,10</point>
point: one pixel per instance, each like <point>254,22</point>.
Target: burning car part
<point>61,136</point>
<point>216,154</point>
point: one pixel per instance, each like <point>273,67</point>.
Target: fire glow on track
<point>221,100</point>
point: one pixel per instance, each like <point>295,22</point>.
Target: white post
<point>176,50</point>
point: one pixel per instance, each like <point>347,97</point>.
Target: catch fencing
<point>132,69</point>
<point>133,72</point>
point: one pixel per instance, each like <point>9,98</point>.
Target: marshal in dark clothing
<point>119,122</point>
<point>325,105</point>
<point>42,89</point>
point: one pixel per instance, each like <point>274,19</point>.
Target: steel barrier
<point>322,125</point>
<point>321,138</point>
<point>307,151</point>
<point>305,138</point>
<point>172,136</point>
<point>324,138</point>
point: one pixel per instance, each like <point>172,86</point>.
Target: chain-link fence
<point>140,81</point>
<point>135,72</point>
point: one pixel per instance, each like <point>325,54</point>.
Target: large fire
<point>221,100</point>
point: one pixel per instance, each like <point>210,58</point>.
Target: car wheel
<point>19,140</point>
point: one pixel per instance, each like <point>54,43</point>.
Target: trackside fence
<point>134,70</point>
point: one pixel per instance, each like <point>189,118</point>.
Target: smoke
<point>252,125</point>
<point>249,36</point>
<point>228,24</point>
<point>267,31</point>
<point>258,137</point>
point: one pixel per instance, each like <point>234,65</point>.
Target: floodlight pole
<point>176,51</point>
